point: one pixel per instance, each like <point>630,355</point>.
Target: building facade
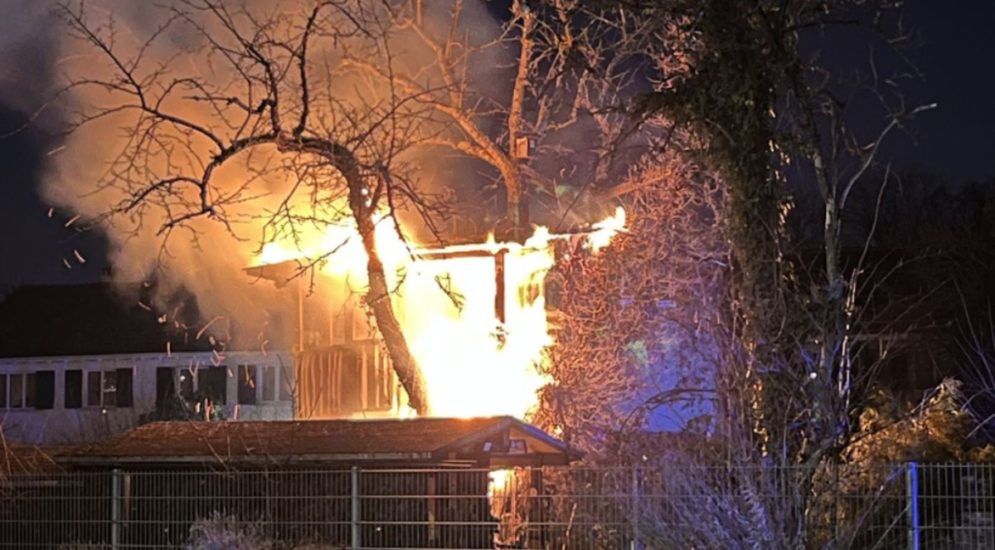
<point>69,399</point>
<point>81,362</point>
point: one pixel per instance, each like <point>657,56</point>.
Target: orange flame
<point>473,363</point>
<point>606,229</point>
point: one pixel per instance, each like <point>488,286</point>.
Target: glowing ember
<point>480,353</point>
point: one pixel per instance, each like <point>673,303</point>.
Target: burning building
<point>474,316</point>
<point>80,363</point>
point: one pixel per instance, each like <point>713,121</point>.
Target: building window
<point>246,384</point>
<point>40,389</point>
<point>109,388</point>
<point>286,390</point>
<point>125,387</point>
<point>187,389</point>
<point>165,387</point>
<point>29,383</point>
<point>93,388</point>
<point>3,391</point>
<point>73,386</point>
<point>200,383</point>
<point>17,391</point>
<point>212,384</point>
<point>269,383</point>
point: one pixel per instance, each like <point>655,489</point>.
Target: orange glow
<point>606,229</point>
<point>473,363</point>
<point>498,485</point>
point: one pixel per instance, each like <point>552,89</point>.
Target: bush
<point>225,533</point>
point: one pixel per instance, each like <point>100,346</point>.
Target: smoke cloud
<point>204,256</point>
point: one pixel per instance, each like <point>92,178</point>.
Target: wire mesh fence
<point>904,506</point>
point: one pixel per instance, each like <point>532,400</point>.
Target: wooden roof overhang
<point>426,442</point>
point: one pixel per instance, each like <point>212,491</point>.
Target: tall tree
<point>768,105</point>
<point>553,127</point>
<point>765,104</point>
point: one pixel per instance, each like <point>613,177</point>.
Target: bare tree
<point>556,124</point>
<point>265,92</point>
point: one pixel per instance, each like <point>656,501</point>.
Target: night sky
<point>956,142</point>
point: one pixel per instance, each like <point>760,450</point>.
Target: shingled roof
<point>90,319</point>
<point>484,441</point>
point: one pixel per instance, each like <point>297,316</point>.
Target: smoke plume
<point>203,256</point>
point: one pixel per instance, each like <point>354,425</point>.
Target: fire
<point>498,483</point>
<point>341,245</point>
<point>480,346</point>
<point>475,365</point>
<point>606,229</point>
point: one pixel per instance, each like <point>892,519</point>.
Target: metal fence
<point>907,506</point>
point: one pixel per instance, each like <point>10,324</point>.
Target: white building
<point>78,363</point>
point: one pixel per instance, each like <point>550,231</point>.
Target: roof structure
<point>484,442</point>
<point>90,319</point>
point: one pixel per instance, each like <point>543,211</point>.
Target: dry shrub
<point>634,321</point>
<point>225,533</point>
<point>16,459</point>
<point>934,430</point>
<point>220,532</point>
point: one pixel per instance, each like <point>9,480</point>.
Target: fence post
<point>636,511</point>
<point>356,542</point>
<point>115,509</point>
<point>912,504</point>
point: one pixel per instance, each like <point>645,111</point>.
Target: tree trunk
<point>378,294</point>
<point>517,205</point>
<point>516,209</point>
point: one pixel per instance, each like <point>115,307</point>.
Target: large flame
<point>473,363</point>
